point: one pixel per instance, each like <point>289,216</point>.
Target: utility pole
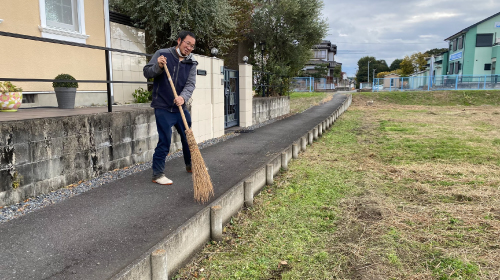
<point>368,71</point>
<point>373,76</point>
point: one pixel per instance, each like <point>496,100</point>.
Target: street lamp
<point>214,51</point>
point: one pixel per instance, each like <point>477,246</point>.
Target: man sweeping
<point>181,66</point>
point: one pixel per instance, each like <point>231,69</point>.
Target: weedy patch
<point>300,101</point>
<point>406,188</point>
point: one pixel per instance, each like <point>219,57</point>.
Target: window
<point>451,45</point>
<point>484,40</point>
<point>320,54</point>
<point>493,67</point>
<point>63,20</point>
<point>61,14</point>
<point>461,42</point>
<point>487,66</point>
<point>456,67</point>
<point>455,45</point>
<point>452,66</point>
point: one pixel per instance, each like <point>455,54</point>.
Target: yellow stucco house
<point>79,21</point>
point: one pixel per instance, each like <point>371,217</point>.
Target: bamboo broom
<point>202,184</point>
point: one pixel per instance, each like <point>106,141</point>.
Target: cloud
<point>432,16</point>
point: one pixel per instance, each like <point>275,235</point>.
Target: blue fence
<point>311,84</point>
<point>303,84</point>
<point>321,84</point>
<point>446,82</point>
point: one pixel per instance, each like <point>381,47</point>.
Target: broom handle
<point>175,95</point>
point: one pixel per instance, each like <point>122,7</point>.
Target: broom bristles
<point>202,184</point>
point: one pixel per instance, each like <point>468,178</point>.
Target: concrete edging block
<point>231,201</point>
<point>258,179</point>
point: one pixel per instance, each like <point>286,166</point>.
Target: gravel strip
<point>10,212</point>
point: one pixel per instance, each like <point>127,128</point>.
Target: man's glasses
<point>192,47</point>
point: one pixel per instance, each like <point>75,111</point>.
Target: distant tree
<point>380,65</point>
<point>436,51</point>
<point>406,66</point>
<point>289,29</point>
<point>337,72</point>
<point>383,74</point>
<point>395,64</point>
<point>362,74</point>
<point>418,60</point>
<point>320,71</point>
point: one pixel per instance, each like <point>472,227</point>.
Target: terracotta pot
<point>10,101</point>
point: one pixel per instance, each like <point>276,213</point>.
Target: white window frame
<point>64,34</point>
<point>320,54</point>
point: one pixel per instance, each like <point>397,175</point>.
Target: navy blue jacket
<point>183,75</point>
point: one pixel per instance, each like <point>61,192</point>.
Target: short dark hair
<point>185,33</point>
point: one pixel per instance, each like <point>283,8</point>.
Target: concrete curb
<point>191,237</point>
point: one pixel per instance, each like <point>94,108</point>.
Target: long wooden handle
<point>175,95</point>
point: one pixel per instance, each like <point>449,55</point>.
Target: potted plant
<point>11,97</point>
<point>65,91</point>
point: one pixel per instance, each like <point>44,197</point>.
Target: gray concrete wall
<point>38,156</point>
<point>41,155</point>
<point>268,108</point>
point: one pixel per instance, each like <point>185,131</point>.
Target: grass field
<point>300,101</point>
<point>403,186</point>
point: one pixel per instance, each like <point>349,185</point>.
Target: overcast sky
<point>391,29</point>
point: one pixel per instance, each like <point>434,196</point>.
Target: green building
<point>475,49</point>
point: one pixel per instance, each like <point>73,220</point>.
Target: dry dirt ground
<point>427,219</point>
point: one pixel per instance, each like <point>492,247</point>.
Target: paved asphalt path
<point>96,234</point>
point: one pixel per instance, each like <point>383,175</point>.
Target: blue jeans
<point>164,122</point>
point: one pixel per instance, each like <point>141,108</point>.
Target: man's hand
<point>179,101</point>
<point>162,61</point>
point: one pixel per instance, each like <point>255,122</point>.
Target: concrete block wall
<point>41,155</point>
<point>127,67</point>
<point>268,108</point>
